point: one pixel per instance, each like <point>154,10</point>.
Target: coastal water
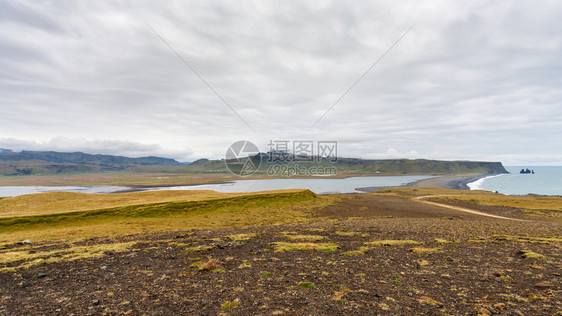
<point>545,181</point>
<point>6,191</point>
<point>320,186</point>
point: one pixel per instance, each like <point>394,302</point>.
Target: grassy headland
<point>54,168</point>
<point>142,216</point>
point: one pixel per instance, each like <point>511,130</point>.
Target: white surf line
<point>458,208</point>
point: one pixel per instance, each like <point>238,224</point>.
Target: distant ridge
<point>426,166</point>
<point>52,162</point>
<point>371,166</point>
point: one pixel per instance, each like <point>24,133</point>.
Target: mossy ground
<point>250,210</point>
<point>267,274</point>
<point>303,246</point>
<point>253,267</point>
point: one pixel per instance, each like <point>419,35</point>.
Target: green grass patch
<point>527,239</point>
<point>287,246</point>
<point>26,259</point>
<point>253,210</point>
<point>306,285</point>
<point>197,249</point>
<point>197,264</point>
<point>477,240</point>
<point>158,210</point>
<point>534,266</point>
<point>314,230</point>
<point>305,237</point>
<point>529,254</point>
<point>226,305</point>
<point>350,233</point>
<point>428,300</point>
<point>241,237</point>
<point>245,264</point>
<point>541,213</point>
<point>426,250</point>
<point>526,203</point>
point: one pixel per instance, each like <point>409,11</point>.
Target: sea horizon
<point>547,180</point>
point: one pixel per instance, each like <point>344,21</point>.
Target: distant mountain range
<point>51,162</point>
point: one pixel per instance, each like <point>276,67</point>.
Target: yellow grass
<point>271,209</point>
<point>197,249</point>
<point>529,239</point>
<point>241,237</point>
<point>350,234</point>
<point>426,250</point>
<point>62,202</point>
<point>428,300</point>
<point>481,197</point>
<point>531,255</point>
<point>287,246</point>
<point>29,259</point>
<point>304,237</point>
<point>523,202</point>
<point>477,240</point>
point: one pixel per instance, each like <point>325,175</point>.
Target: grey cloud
<point>99,146</point>
<point>18,12</point>
<point>472,80</point>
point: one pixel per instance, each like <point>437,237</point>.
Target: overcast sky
<point>478,80</point>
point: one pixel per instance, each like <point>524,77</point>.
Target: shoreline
<point>445,182</point>
<point>142,188</point>
<point>456,182</point>
<point>211,180</point>
<point>449,182</point>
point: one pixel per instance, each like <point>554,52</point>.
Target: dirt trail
<point>420,199</point>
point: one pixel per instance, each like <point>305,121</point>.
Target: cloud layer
<point>471,80</point>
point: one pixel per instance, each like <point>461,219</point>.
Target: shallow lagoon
<point>320,186</point>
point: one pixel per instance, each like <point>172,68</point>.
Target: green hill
<point>367,166</point>
<point>50,162</point>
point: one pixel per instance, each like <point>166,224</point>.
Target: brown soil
<point>475,274</point>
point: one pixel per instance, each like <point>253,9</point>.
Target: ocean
<point>545,181</point>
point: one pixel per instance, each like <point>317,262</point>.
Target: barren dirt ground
<point>366,255</point>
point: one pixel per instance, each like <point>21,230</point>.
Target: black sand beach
<point>444,182</point>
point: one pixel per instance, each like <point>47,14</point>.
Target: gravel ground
<point>462,264</point>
